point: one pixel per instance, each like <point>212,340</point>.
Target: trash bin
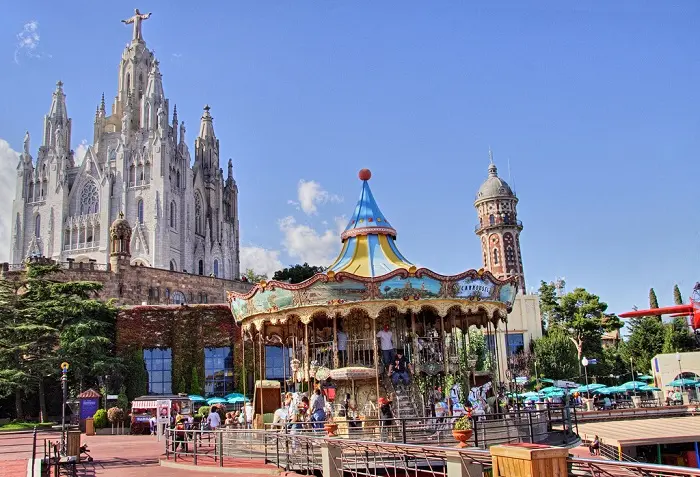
<point>73,444</point>
<point>89,426</point>
<point>637,401</point>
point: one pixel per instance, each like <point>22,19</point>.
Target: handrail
<point>616,467</point>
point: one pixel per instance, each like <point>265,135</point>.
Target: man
<point>213,419</point>
<point>317,409</point>
<point>342,339</point>
<point>399,369</point>
<point>386,344</point>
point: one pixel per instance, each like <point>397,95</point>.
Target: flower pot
<point>462,436</point>
<point>331,429</point>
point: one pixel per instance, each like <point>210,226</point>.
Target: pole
<point>588,390</point>
<point>680,372</point>
<point>64,386</point>
<point>632,369</point>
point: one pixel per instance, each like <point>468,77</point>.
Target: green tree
<point>297,273</point>
<point>653,302</point>
<point>556,355</point>
<point>645,340</point>
<point>195,386</point>
<point>549,303</point>
<point>582,315</point>
<point>677,337</point>
<point>677,297</point>
<point>136,376</point>
<point>253,277</point>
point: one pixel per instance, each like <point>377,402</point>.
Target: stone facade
<point>184,215</point>
<point>135,285</point>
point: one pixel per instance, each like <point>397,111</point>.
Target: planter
<point>462,436</point>
<point>331,429</point>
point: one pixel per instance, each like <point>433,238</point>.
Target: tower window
<point>37,226</point>
<point>173,214</point>
<point>201,267</point>
<point>216,268</point>
<point>506,218</point>
<point>140,211</point>
<point>492,220</point>
<point>495,256</point>
<point>173,267</point>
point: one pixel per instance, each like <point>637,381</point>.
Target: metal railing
<point>581,466</point>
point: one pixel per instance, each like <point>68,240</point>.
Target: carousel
<point>327,326</point>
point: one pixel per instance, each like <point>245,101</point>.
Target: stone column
<point>331,460</point>
<point>458,467</point>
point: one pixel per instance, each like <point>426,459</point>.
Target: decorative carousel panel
<point>333,293</point>
<point>409,288</point>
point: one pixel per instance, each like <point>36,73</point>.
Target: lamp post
<point>537,376</point>
<point>633,381</point>
<point>584,362</point>
<point>64,386</point>
<point>680,371</point>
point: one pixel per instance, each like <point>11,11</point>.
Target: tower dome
<point>120,235</point>
<point>494,186</point>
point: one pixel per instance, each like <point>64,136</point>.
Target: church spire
<point>207,146</point>
<point>206,128</point>
<point>57,119</point>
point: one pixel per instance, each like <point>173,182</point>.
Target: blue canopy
<point>645,377</point>
<point>237,400</point>
<point>633,385</point>
<point>216,400</point>
<point>550,389</point>
<point>196,398</point>
<point>233,395</point>
<point>590,387</point>
<point>649,388</point>
<point>676,383</point>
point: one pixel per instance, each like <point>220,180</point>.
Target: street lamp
<point>634,383</point>
<point>584,362</point>
<point>680,371</point>
<point>64,386</point>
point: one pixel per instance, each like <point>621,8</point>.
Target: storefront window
<point>218,369</point>
<point>516,343</point>
<point>159,366</point>
<point>276,362</point>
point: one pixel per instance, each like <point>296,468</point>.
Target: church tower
<point>499,227</point>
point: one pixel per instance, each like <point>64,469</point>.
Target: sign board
<point>565,384</point>
<point>474,288</point>
<point>112,397</point>
<point>88,407</point>
<point>163,409</point>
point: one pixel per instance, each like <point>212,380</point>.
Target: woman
<point>386,415</point>
<point>594,447</point>
<point>317,409</point>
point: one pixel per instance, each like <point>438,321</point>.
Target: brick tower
<point>499,227</point>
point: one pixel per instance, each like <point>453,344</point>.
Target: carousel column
<point>262,377</point>
<point>415,355</point>
<point>336,361</point>
<point>244,371</point>
<point>376,355</point>
<point>306,358</point>
<point>443,339</point>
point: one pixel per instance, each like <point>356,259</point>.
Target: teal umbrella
<point>649,388</point>
<point>547,380</point>
<point>604,390</point>
<point>633,385</point>
<point>237,400</point>
<point>676,383</point>
<point>616,389</point>
<point>216,400</point>
<point>196,398</point>
<point>550,389</point>
<point>645,377</point>
<point>233,395</point>
<point>555,394</point>
<point>590,387</point>
<point>531,394</point>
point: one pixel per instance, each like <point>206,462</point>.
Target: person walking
<point>386,344</point>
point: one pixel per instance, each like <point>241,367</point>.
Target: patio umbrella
<point>677,383</point>
<point>590,387</point>
<point>216,400</point>
<point>530,394</point>
<point>233,395</point>
<point>616,389</point>
<point>547,380</point>
<point>645,377</point>
<point>550,389</point>
<point>629,385</point>
<point>196,398</point>
<point>237,400</point>
<point>604,390</point>
<point>649,388</point>
<point>559,393</point>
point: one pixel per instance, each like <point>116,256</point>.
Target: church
<point>183,213</point>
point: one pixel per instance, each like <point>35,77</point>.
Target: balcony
<point>499,223</point>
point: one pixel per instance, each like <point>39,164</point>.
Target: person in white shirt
<point>342,341</point>
<point>386,344</point>
<point>213,419</point>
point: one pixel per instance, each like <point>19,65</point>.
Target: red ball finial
<point>365,174</point>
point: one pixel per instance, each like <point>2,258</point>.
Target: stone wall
<point>136,285</point>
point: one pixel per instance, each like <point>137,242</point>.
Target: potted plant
<point>331,427</point>
<point>462,430</point>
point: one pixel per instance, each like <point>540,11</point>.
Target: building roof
<point>368,240</point>
<point>493,186</point>
<point>636,432</point>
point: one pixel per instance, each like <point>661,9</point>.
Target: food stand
<point>163,407</point>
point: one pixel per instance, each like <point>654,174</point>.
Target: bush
<point>100,418</point>
<point>115,415</point>
<point>203,411</point>
<point>463,424</point>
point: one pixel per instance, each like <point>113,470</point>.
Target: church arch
<point>173,266</point>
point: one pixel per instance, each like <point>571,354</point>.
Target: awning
<point>144,405</point>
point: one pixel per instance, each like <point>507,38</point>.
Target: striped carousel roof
<point>368,240</point>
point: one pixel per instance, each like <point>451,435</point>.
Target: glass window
<point>37,226</point>
<point>218,370</point>
<point>276,362</point>
<point>516,343</point>
<point>89,199</point>
<point>177,298</point>
<point>201,267</point>
<point>216,268</point>
<point>140,211</point>
<point>159,366</point>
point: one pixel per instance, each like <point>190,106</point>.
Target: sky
<point>591,109</point>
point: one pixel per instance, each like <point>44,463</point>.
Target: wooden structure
<point>529,460</point>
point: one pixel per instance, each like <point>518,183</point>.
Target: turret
<point>100,114</point>
<point>175,124</point>
<point>207,146</point>
<point>56,119</point>
<point>153,100</point>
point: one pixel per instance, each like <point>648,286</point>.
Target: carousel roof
<point>368,249</point>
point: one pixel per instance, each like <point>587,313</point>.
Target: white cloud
<point>8,173</point>
<point>80,151</point>
<point>263,261</point>
<point>310,194</point>
<point>306,244</point>
<point>28,42</point>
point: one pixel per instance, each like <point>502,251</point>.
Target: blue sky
<point>594,104</point>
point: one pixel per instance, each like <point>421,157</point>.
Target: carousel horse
<point>477,398</point>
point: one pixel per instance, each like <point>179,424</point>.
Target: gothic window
<point>111,187</point>
<point>510,255</point>
<point>89,199</point>
<point>506,218</point>
<point>173,215</point>
<point>132,175</point>
<point>112,155</point>
<point>198,214</point>
<point>140,211</point>
<point>43,188</point>
<point>173,267</point>
<point>216,268</point>
<point>177,298</point>
<point>492,220</point>
<point>495,256</point>
<point>178,178</point>
<point>201,267</point>
<point>37,226</point>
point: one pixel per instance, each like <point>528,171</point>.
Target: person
<point>180,434</point>
<point>386,344</point>
<point>594,447</point>
<point>434,397</point>
<point>386,414</point>
<point>213,419</point>
<point>229,419</point>
<point>153,423</point>
<point>399,369</point>
<point>342,338</point>
<point>317,409</point>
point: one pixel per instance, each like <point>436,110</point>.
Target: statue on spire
<point>26,144</point>
<point>136,20</point>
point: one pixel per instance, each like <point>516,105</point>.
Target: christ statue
<point>136,20</point>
